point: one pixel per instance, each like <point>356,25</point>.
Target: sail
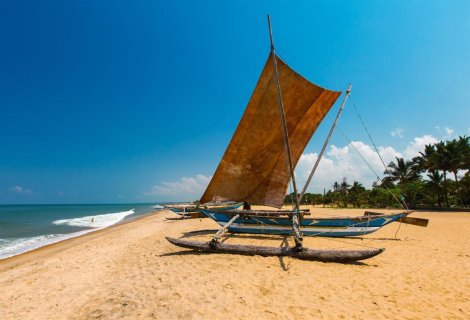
<point>254,167</point>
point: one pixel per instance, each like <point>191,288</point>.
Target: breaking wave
<point>98,221</point>
<point>13,246</point>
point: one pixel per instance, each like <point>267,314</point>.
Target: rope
<point>403,205</point>
<point>398,229</point>
<point>332,230</point>
<point>360,155</point>
<point>368,134</point>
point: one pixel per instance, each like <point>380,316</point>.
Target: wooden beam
<point>343,256</point>
<point>222,230</point>
<point>414,221</point>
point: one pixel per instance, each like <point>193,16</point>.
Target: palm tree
<point>434,183</point>
<point>343,189</point>
<point>459,159</point>
<point>336,186</point>
<point>336,194</point>
<point>402,172</point>
<point>455,154</point>
<point>441,160</point>
<point>422,162</point>
<point>464,146</point>
<point>355,193</point>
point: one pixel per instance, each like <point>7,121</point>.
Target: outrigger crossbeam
<point>222,230</point>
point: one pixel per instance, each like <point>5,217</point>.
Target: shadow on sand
<point>284,261</point>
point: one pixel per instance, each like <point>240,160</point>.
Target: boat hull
<point>323,227</point>
<point>342,256</point>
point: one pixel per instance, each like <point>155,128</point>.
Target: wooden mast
<point>295,217</point>
<point>325,144</point>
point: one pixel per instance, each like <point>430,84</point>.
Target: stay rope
<point>368,134</point>
<point>402,203</point>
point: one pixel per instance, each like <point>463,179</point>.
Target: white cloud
<point>338,162</point>
<point>342,162</point>
<point>446,132</point>
<point>417,145</point>
<point>449,133</point>
<point>397,132</point>
<point>185,186</point>
<point>20,190</point>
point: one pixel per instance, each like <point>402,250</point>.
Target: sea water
<point>27,227</point>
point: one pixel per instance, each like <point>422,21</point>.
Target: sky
<point>136,101</point>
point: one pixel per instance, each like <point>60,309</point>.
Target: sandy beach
<point>129,271</point>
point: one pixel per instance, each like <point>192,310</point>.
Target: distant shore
<point>130,271</point>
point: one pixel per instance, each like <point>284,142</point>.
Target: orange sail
<point>254,167</point>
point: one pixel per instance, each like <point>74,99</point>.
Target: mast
<point>295,217</point>
<point>283,118</point>
<point>325,144</point>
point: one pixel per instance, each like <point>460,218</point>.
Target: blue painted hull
<point>325,227</point>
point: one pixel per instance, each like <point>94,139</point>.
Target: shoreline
<point>129,270</point>
<point>79,234</point>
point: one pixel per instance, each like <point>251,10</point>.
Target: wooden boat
<point>278,222</point>
<point>283,113</point>
<point>190,211</point>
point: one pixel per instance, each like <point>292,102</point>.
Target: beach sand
<point>129,271</point>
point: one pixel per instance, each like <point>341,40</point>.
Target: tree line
<point>430,179</point>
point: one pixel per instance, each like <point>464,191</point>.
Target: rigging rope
<point>402,203</point>
<point>370,167</point>
<point>368,134</point>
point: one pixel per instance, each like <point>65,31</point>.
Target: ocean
<point>27,227</point>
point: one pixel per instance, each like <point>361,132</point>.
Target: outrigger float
<point>283,113</point>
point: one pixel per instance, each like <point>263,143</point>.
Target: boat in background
<point>191,211</point>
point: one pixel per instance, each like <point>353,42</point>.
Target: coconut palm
<point>336,186</point>
<point>422,162</point>
<point>441,160</point>
<point>355,192</point>
<point>458,158</point>
<point>434,183</point>
<point>401,172</point>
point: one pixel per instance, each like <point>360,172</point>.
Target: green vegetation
<point>422,182</point>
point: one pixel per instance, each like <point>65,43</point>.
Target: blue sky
<point>136,101</point>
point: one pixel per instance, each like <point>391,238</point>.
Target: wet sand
<point>130,271</point>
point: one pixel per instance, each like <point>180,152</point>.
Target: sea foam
<point>13,246</point>
<point>98,221</point>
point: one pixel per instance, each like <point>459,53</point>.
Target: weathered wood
<point>176,219</point>
<point>263,213</point>
<point>325,144</point>
<point>408,220</point>
<point>222,230</point>
<point>304,254</point>
<point>414,221</point>
<point>370,213</point>
<point>283,122</point>
<point>197,215</point>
